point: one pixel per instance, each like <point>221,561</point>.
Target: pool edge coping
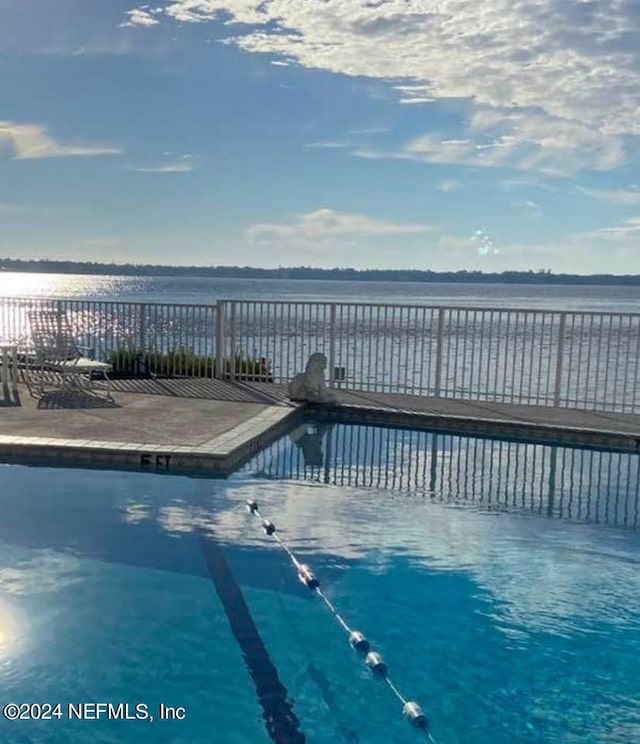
<point>484,426</point>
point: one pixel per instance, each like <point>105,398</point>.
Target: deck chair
<point>58,360</point>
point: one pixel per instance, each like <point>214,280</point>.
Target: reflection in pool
<point>577,484</point>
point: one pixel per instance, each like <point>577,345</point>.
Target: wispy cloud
<point>449,185</point>
<point>31,141</point>
<point>329,224</point>
<point>471,52</point>
<point>521,140</point>
<point>527,181</point>
<point>414,100</point>
<point>614,196</point>
<point>529,207</point>
<point>629,229</point>
<point>168,168</point>
<point>369,130</point>
<point>327,145</point>
<point>183,165</point>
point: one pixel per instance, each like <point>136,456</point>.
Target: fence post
<point>439,344</point>
<point>332,344</point>
<point>220,308</point>
<point>139,362</point>
<point>558,382</point>
<point>142,337</point>
<point>553,466</point>
<point>59,312</point>
<point>233,341</point>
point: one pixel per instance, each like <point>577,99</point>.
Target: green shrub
<point>184,363</point>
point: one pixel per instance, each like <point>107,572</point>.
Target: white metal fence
<point>572,359</point>
<point>169,339</point>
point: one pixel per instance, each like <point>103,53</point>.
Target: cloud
<point>31,141</point>
<point>168,168</point>
<point>450,185</point>
<point>629,230</point>
<point>183,165</point>
<point>328,224</point>
<point>140,17</point>
<point>528,181</point>
<point>522,140</point>
<point>575,64</point>
<point>369,130</point>
<point>614,196</point>
<point>327,145</point>
<point>529,207</point>
<point>408,101</point>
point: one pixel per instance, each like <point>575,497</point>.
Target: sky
<point>428,134</point>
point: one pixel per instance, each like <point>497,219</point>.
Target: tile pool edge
<point>221,455</point>
<point>477,426</point>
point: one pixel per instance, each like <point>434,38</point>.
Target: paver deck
<point>171,425</point>
<point>209,425</point>
<point>160,414</point>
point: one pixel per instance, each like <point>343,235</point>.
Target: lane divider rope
<point>358,641</point>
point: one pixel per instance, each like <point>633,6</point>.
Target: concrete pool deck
<point>157,425</point>
<point>212,427</point>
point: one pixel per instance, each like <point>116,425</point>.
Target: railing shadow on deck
<point>73,399</point>
<point>599,487</point>
<point>189,387</point>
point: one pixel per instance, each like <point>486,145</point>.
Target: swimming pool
<point>139,588</point>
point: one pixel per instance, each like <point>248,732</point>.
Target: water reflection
<point>309,441</point>
<point>12,631</point>
<point>576,484</point>
<point>133,519</point>
<point>16,284</point>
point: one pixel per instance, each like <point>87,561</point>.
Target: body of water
<point>207,290</point>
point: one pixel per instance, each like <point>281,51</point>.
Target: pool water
<point>506,624</point>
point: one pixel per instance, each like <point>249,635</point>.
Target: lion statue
<point>309,385</point>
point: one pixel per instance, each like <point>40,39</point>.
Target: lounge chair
<point>58,360</point>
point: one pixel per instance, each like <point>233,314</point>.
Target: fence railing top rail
<point>415,306</point>
<point>325,303</point>
<point>89,300</point>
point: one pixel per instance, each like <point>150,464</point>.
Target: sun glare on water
<point>62,286</point>
<point>17,284</point>
<point>11,631</point>
<point>6,624</point>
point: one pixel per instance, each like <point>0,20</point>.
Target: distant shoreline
<point>308,273</point>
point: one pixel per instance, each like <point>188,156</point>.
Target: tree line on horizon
<point>543,276</point>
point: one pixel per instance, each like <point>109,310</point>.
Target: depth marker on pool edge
<point>410,709</point>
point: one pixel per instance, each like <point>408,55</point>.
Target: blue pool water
<point>507,622</point>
